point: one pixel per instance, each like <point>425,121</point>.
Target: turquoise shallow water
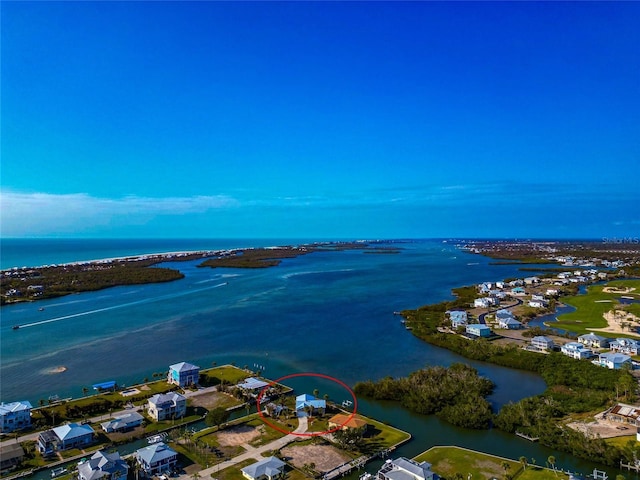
<point>327,312</point>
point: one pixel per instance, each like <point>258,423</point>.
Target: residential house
<point>552,292</point>
<point>15,416</point>
<point>542,343</point>
<point>156,458</point>
<point>11,455</point>
<point>613,360</point>
<point>65,437</point>
<point>593,340</point>
<point>103,465</point>
<point>484,287</point>
<point>483,302</point>
<point>167,406</point>
<point>536,296</point>
<point>625,345</point>
<point>346,422</point>
<point>538,303</point>
<point>458,318</point>
<point>405,469</point>
<point>623,413</point>
<point>306,402</point>
<point>267,469</point>
<point>252,384</point>
<point>576,350</point>
<point>531,280</point>
<point>183,374</point>
<point>500,285</point>
<point>509,323</point>
<point>123,423</point>
<point>478,330</point>
<point>518,291</point>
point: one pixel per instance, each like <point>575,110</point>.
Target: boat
<point>41,309</point>
<point>56,472</point>
<point>15,327</point>
<point>347,403</point>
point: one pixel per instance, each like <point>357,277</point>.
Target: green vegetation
<point>457,394</point>
<point>217,416</point>
<point>591,306</point>
<point>234,472</point>
<point>455,462</point>
<point>256,257</point>
<point>227,374</point>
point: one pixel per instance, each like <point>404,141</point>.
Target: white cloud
<point>45,213</point>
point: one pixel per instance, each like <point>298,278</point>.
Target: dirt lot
<point>209,400</point>
<point>325,457</point>
<point>240,435</point>
<point>604,428</point>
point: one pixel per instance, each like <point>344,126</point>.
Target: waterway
<point>328,312</point>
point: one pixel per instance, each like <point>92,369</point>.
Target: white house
<point>542,343</point>
<point>538,303</point>
<point>15,416</point>
<point>531,280</point>
<point>483,302</point>
<point>103,465</point>
<point>593,340</point>
<point>625,345</point>
<point>267,469</point>
<point>458,318</point>
<point>167,406</point>
<point>405,469</point>
<point>576,350</point>
<point>613,361</point>
<point>123,423</point>
<point>509,323</point>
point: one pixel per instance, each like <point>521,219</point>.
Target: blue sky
<point>365,120</point>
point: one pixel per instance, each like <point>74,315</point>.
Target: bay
<point>327,312</point>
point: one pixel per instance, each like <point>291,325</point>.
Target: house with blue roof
<point>478,330</point>
<point>613,360</point>
<point>305,402</point>
<point>156,458</point>
<point>183,374</point>
<point>15,416</point>
<point>576,350</point>
<point>103,465</point>
<point>458,318</point>
<point>167,406</point>
<point>65,437</point>
<point>627,346</point>
<point>509,323</point>
<point>123,423</point>
<point>268,469</point>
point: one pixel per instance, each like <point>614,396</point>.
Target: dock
<point>527,437</point>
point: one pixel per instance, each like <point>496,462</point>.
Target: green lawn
<point>233,472</point>
<point>621,442</point>
<point>227,373</point>
<point>385,435</point>
<point>591,306</point>
<point>447,461</point>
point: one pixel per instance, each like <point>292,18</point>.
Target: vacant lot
<point>213,400</point>
<point>326,457</point>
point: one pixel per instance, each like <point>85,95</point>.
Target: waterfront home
<point>183,374</point>
<point>483,302</point>
<point>15,416</point>
<point>503,313</point>
<point>623,413</point>
<point>500,285</point>
<point>103,465</point>
<point>613,360</point>
<point>576,350</point>
<point>123,423</point>
<point>267,469</point>
<point>156,458</point>
<point>478,330</point>
<point>405,469</point>
<point>252,384</point>
<point>538,303</point>
<point>593,340</point>
<point>458,318</point>
<point>552,292</point>
<point>484,287</point>
<point>625,345</point>
<point>518,291</point>
<point>65,437</point>
<point>542,343</point>
<point>308,404</point>
<point>167,406</point>
<point>509,323</point>
<point>11,455</point>
<point>346,422</point>
<point>531,280</point>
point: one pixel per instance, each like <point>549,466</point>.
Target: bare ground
<point>209,400</point>
<point>603,428</point>
<point>240,435</point>
<point>326,457</point>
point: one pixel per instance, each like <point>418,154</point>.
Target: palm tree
<point>85,390</point>
<point>552,461</point>
<point>195,475</point>
<point>505,466</point>
<point>316,392</point>
<point>523,461</point>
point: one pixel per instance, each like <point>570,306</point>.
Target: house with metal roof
<point>15,416</point>
<point>542,343</point>
<point>103,465</point>
<point>405,469</point>
<point>183,374</point>
<point>627,346</point>
<point>306,401</point>
<point>576,350</point>
<point>252,384</point>
<point>458,318</point>
<point>156,458</point>
<point>123,423</point>
<point>65,437</point>
<point>478,330</point>
<point>613,360</point>
<point>593,340</point>
<point>346,422</point>
<point>267,469</point>
<point>167,406</point>
<point>11,455</point>
<point>509,323</point>
<point>623,413</point>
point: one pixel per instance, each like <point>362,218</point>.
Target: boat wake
<point>114,307</point>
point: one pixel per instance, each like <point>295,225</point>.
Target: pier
<point>527,437</point>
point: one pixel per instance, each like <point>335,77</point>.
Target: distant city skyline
<point>320,119</point>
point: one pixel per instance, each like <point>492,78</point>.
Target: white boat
<point>56,472</point>
<point>347,403</point>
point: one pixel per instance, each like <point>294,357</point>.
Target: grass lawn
<point>233,472</point>
<point>539,473</point>
<point>621,442</point>
<point>269,435</point>
<point>228,373</point>
<point>385,435</point>
<point>591,306</point>
<point>447,461</point>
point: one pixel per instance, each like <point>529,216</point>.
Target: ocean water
<point>326,312</point>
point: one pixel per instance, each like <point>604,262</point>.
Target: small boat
<point>347,403</point>
<point>15,327</point>
<point>41,309</point>
<point>56,472</point>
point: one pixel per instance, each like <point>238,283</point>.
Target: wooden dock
<point>527,437</point>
